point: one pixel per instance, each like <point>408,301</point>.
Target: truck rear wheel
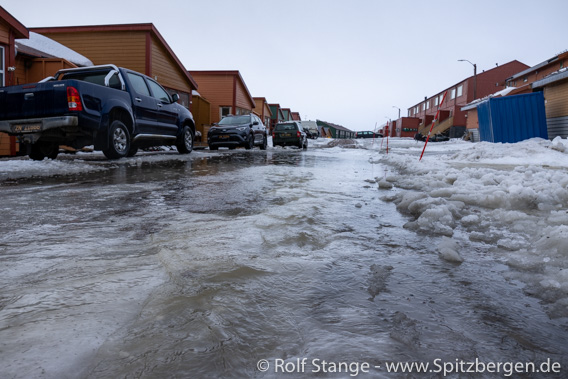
<point>119,143</point>
<point>41,150</point>
<point>184,143</point>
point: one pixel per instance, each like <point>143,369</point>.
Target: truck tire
<point>41,150</point>
<point>133,150</point>
<point>119,141</point>
<point>184,143</point>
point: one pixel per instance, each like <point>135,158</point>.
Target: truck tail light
<point>299,134</point>
<point>73,99</point>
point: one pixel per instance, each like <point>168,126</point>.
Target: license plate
<point>224,136</point>
<point>26,128</point>
<point>285,135</point>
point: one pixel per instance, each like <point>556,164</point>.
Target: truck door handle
<point>160,105</point>
<point>138,99</point>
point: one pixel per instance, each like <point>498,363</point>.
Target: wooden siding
<point>122,48</point>
<point>242,98</point>
<point>4,33</point>
<point>217,89</point>
<point>472,119</point>
<point>201,110</point>
<point>165,70</point>
<point>556,96</point>
<point>41,68</point>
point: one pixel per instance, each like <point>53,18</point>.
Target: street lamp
<point>474,77</point>
<point>394,106</point>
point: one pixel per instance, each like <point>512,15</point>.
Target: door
<point>144,105</point>
<point>167,109</point>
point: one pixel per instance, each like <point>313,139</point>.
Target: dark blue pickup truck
<point>115,109</point>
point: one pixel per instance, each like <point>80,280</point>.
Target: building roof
<point>149,27</point>
<point>476,102</point>
<point>552,78</point>
<point>20,30</point>
<point>539,66</point>
<point>42,47</point>
<point>264,102</point>
<point>479,78</point>
<point>339,127</point>
<point>226,72</point>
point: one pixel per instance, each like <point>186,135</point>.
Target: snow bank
<point>510,199</point>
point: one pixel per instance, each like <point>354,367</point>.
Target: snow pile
<point>510,199</point>
<point>53,49</point>
<point>27,168</point>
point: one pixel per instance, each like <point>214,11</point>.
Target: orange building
<point>139,47</point>
<point>262,110</point>
<point>37,57</point>
<point>226,91</point>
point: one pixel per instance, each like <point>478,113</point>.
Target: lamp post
<point>394,106</point>
<point>474,77</point>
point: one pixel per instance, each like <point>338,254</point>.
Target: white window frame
<point>436,100</point>
<point>460,91</point>
<point>221,112</point>
<point>453,94</point>
<point>428,104</point>
<point>2,66</point>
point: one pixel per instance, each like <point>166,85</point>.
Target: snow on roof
<point>553,77</point>
<point>476,102</point>
<point>49,48</point>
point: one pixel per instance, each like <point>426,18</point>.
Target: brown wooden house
<point>226,91</point>
<point>555,88</point>
<point>277,115</point>
<point>26,57</point>
<point>262,110</point>
<point>10,30</point>
<point>139,47</point>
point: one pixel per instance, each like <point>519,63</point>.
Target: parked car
<point>289,134</point>
<point>311,129</point>
<point>368,134</point>
<point>115,109</point>
<point>234,131</point>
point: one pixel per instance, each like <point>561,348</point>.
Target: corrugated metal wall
<point>512,119</point>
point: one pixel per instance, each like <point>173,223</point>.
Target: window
<point>423,106</point>
<point>453,93</point>
<point>436,99</point>
<point>2,72</point>
<point>139,84</point>
<point>159,92</point>
<point>225,111</point>
<point>460,90</point>
<point>428,104</point>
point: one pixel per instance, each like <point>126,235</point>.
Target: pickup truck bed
<point>114,109</point>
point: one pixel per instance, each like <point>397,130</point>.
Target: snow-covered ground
<point>510,198</point>
<point>140,267</point>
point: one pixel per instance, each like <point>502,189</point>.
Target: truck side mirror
<point>175,97</point>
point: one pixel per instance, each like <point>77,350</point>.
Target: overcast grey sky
<point>346,62</point>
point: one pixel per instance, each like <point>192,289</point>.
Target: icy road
<point>268,263</point>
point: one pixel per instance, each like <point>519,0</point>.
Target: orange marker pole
<point>433,122</point>
<point>388,131</point>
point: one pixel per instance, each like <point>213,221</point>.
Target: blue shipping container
<point>512,119</point>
